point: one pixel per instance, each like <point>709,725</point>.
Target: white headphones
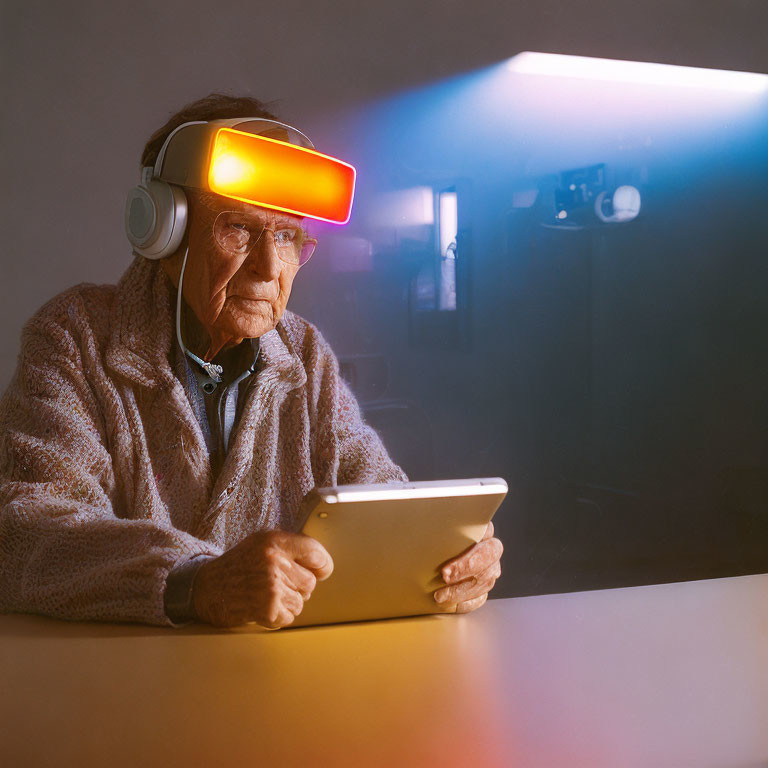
<point>156,211</point>
<point>155,216</point>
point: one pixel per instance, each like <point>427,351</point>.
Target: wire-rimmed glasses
<point>237,233</point>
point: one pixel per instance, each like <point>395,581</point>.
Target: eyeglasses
<point>237,233</point>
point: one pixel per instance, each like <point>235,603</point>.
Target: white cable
<point>213,371</point>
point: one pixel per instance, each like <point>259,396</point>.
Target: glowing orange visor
<point>259,170</point>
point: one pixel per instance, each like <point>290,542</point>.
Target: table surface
<point>667,675</point>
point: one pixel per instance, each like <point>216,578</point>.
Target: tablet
<point>388,543</point>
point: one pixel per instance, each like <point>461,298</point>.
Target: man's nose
<point>263,259</point>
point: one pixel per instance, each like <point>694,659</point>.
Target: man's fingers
<point>301,579</point>
<point>471,605</point>
<point>284,606</point>
<point>311,554</point>
<point>292,600</point>
<point>282,618</point>
<point>470,588</point>
<point>488,531</point>
<point>472,562</point>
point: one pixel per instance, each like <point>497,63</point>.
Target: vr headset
<point>254,160</point>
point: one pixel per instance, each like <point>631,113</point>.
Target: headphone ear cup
<point>155,218</point>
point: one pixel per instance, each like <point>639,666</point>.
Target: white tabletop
<point>669,675</point>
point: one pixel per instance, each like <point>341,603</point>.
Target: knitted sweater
<point>105,477</point>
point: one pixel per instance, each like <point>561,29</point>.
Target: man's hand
<point>265,578</point>
<point>471,575</point>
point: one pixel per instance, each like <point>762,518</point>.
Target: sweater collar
<point>143,329</point>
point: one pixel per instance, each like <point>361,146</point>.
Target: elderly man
<point>159,435</point>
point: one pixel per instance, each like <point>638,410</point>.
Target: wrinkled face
<point>236,292</point>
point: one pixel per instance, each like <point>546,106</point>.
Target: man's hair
<point>215,106</point>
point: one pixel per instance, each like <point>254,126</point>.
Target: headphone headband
<point>234,122</point>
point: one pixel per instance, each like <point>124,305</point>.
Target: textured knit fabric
<point>105,476</point>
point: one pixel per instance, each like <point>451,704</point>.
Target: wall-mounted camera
<point>620,206</point>
<point>584,198</point>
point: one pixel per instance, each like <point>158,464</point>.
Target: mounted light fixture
<point>638,72</point>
